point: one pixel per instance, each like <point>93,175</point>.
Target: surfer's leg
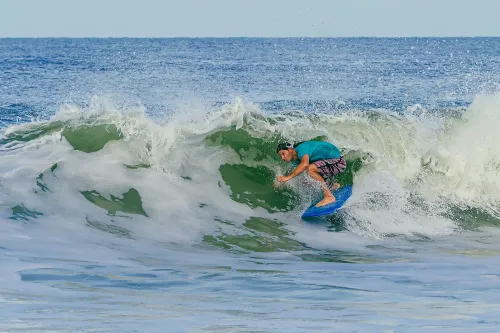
<point>328,197</point>
<point>320,170</point>
<point>330,182</point>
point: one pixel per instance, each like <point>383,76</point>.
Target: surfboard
<point>341,195</point>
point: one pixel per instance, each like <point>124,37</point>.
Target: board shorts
<point>331,167</point>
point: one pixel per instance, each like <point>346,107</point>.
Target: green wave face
<point>254,186</point>
<point>20,212</point>
<point>90,139</point>
<point>248,147</point>
<point>130,202</point>
<point>263,235</point>
<point>245,145</point>
<point>32,132</point>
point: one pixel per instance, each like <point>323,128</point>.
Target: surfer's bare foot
<point>326,201</point>
<point>335,186</point>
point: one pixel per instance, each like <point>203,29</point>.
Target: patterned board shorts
<point>331,167</point>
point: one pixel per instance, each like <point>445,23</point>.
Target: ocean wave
<point>208,174</point>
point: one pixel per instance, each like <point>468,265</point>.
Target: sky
<point>249,18</point>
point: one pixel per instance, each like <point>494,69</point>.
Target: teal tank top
<point>317,150</point>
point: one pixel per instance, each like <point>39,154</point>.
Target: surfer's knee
<point>312,169</point>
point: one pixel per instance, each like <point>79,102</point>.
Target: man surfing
<point>322,160</point>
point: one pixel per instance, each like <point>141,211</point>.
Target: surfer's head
<point>285,150</point>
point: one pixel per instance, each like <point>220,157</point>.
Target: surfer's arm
<point>304,163</point>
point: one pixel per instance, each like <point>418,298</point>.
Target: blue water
<point>136,185</point>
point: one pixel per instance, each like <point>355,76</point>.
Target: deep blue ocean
<point>137,185</point>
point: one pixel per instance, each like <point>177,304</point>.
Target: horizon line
<point>239,37</point>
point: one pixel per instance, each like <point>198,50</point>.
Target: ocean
<point>137,185</point>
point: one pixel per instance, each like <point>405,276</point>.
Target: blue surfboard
<point>341,195</point>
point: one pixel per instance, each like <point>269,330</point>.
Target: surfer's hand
<point>283,179</point>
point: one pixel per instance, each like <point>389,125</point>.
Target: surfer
<point>322,160</point>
